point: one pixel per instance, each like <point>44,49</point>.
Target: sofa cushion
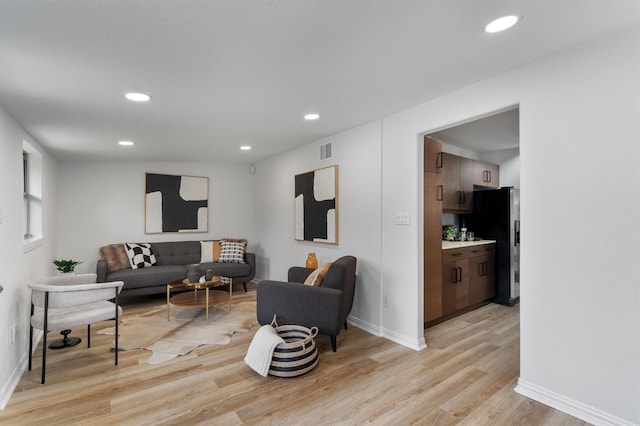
<point>177,252</point>
<point>144,277</point>
<point>209,251</point>
<point>115,256</point>
<point>232,270</point>
<point>140,255</point>
<point>231,252</point>
<point>316,277</point>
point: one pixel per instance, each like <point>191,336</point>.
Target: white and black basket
<point>298,355</point>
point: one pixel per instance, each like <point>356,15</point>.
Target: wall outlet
<point>402,218</point>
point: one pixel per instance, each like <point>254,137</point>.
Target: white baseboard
<point>7,390</point>
<point>415,344</point>
<point>575,408</point>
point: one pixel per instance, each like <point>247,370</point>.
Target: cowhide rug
<point>185,331</point>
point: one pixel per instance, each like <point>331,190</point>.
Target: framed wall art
<point>176,203</point>
<point>316,206</point>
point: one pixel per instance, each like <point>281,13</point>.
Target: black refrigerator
<point>496,216</point>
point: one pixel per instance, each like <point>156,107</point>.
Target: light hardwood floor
<point>466,376</point>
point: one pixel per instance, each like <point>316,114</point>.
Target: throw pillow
<point>231,252</point>
<point>209,251</point>
<point>316,277</point>
<point>115,256</point>
<point>140,255</point>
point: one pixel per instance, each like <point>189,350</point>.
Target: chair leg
<point>88,335</point>
<point>334,342</point>
<point>345,324</point>
<point>117,322</point>
<point>44,332</point>
<point>30,343</point>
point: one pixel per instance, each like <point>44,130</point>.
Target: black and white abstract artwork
<point>176,203</point>
<point>316,206</point>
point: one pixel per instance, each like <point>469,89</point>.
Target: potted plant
<point>450,233</point>
<point>66,266</point>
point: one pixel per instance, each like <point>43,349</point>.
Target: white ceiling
<point>496,132</point>
<point>224,73</point>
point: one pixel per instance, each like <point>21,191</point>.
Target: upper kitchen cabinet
<point>457,178</point>
<point>486,174</point>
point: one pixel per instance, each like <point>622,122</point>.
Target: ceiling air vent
<point>326,151</point>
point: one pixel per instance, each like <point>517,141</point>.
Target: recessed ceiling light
<point>137,97</point>
<point>245,147</point>
<point>311,117</point>
<point>125,143</point>
<point>501,24</point>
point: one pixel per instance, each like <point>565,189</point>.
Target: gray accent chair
<point>68,301</point>
<point>326,307</point>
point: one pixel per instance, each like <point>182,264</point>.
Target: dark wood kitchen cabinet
<point>432,230</point>
<point>455,281</point>
<point>457,179</point>
<point>468,277</point>
<point>482,273</point>
<point>486,174</point>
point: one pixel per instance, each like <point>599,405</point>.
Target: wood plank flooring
<point>466,376</point>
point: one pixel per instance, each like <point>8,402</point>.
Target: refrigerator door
<point>514,285</point>
<point>496,216</point>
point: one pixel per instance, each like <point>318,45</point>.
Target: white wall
<point>357,154</point>
<point>102,203</point>
<point>579,142</point>
<point>17,266</point>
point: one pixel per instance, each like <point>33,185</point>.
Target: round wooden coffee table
<point>205,298</point>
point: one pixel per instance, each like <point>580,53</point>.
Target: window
<point>31,195</point>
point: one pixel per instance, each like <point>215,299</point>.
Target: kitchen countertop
<point>446,245</point>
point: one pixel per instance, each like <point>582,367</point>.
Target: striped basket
<point>298,355</point>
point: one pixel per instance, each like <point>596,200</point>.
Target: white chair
<point>67,301</point>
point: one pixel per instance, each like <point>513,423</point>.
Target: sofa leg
<point>345,324</point>
<point>245,287</point>
<point>334,342</point>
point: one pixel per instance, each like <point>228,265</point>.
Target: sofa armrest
<point>295,303</point>
<point>298,274</point>
<point>101,271</point>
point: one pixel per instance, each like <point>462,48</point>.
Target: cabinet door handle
<point>464,197</point>
<point>439,161</point>
<point>440,195</point>
<point>456,254</point>
<point>484,176</point>
<point>454,275</point>
<point>460,269</point>
<point>489,175</point>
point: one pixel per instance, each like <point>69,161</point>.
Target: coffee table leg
<point>230,291</point>
<point>168,292</point>
<point>206,303</point>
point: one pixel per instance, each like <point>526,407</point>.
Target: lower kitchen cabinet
<point>468,278</point>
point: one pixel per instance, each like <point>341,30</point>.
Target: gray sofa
<point>172,260</point>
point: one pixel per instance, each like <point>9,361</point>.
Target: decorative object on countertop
<point>66,266</point>
<point>463,234</point>
<point>450,233</point>
<point>193,272</point>
<point>312,261</point>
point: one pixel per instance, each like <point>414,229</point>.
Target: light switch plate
<point>402,218</point>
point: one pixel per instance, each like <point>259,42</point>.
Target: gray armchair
<point>68,301</point>
<point>326,307</point>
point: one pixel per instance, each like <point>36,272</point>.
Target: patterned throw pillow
<point>231,252</point>
<point>140,255</point>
